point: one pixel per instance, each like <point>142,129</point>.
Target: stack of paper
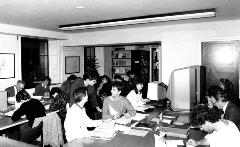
<point>105,130</point>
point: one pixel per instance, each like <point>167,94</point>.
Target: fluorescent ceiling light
<point>141,20</point>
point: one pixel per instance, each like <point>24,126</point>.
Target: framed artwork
<point>72,64</point>
<point>7,65</point>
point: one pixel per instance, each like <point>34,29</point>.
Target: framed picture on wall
<point>72,64</point>
<point>7,65</point>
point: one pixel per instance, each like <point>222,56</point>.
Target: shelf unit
<point>134,60</point>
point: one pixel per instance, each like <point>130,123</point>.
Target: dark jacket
<point>32,109</point>
<point>232,113</point>
<point>75,85</point>
<point>40,90</point>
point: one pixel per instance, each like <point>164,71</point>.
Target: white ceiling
<point>49,14</point>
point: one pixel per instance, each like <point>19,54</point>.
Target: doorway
<point>221,61</point>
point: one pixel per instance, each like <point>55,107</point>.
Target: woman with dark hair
<point>104,87</point>
<point>59,100</point>
<point>32,108</point>
<point>135,95</point>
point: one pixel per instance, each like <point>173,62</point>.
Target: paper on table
<point>139,116</point>
<point>174,143</point>
<point>122,128</point>
<point>168,121</point>
<point>136,132</point>
<point>10,113</point>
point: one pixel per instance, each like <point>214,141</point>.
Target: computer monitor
<point>156,91</point>
<point>186,87</point>
<point>3,101</point>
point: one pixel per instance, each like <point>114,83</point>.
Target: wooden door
<point>221,61</point>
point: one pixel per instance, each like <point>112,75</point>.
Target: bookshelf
<point>135,60</point>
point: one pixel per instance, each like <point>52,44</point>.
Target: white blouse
<point>135,99</point>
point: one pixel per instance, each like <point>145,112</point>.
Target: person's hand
<point>116,116</point>
<point>98,109</point>
<point>127,115</point>
<point>191,143</point>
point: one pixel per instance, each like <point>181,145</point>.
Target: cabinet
<point>134,60</point>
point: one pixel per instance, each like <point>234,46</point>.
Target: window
<point>35,60</point>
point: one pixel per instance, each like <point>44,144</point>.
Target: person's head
<point>117,88</point>
<point>204,117</point>
<point>90,78</point>
<point>225,84</point>
<point>218,96</point>
<point>130,74</point>
<point>105,79</point>
<point>22,95</point>
<point>80,95</point>
<point>118,78</point>
<point>72,78</point>
<point>46,81</point>
<point>20,85</point>
<point>55,91</point>
<point>139,84</point>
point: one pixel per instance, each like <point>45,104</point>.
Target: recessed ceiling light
<point>80,7</point>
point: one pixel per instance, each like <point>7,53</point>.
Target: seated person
<point>59,100</point>
<point>13,90</point>
<point>135,95</point>
<point>32,108</point>
<point>126,85</point>
<point>220,100</point>
<point>77,121</point>
<point>116,106</point>
<point>43,89</point>
<point>221,132</point>
<point>21,97</point>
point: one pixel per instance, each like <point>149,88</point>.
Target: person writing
<point>116,106</point>
<point>77,121</point>
<point>221,132</point>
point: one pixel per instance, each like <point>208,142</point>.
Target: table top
<point>6,121</point>
<point>125,140</point>
<point>6,142</point>
<point>120,139</point>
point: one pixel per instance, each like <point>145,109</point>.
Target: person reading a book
<point>117,106</point>
<point>221,132</point>
<point>77,121</point>
<point>135,95</point>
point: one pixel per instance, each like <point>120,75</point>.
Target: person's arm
<point>196,143</point>
<point>19,112</point>
<point>105,110</point>
<point>132,98</point>
<point>130,110</point>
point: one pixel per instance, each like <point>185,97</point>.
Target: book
<point>174,131</point>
